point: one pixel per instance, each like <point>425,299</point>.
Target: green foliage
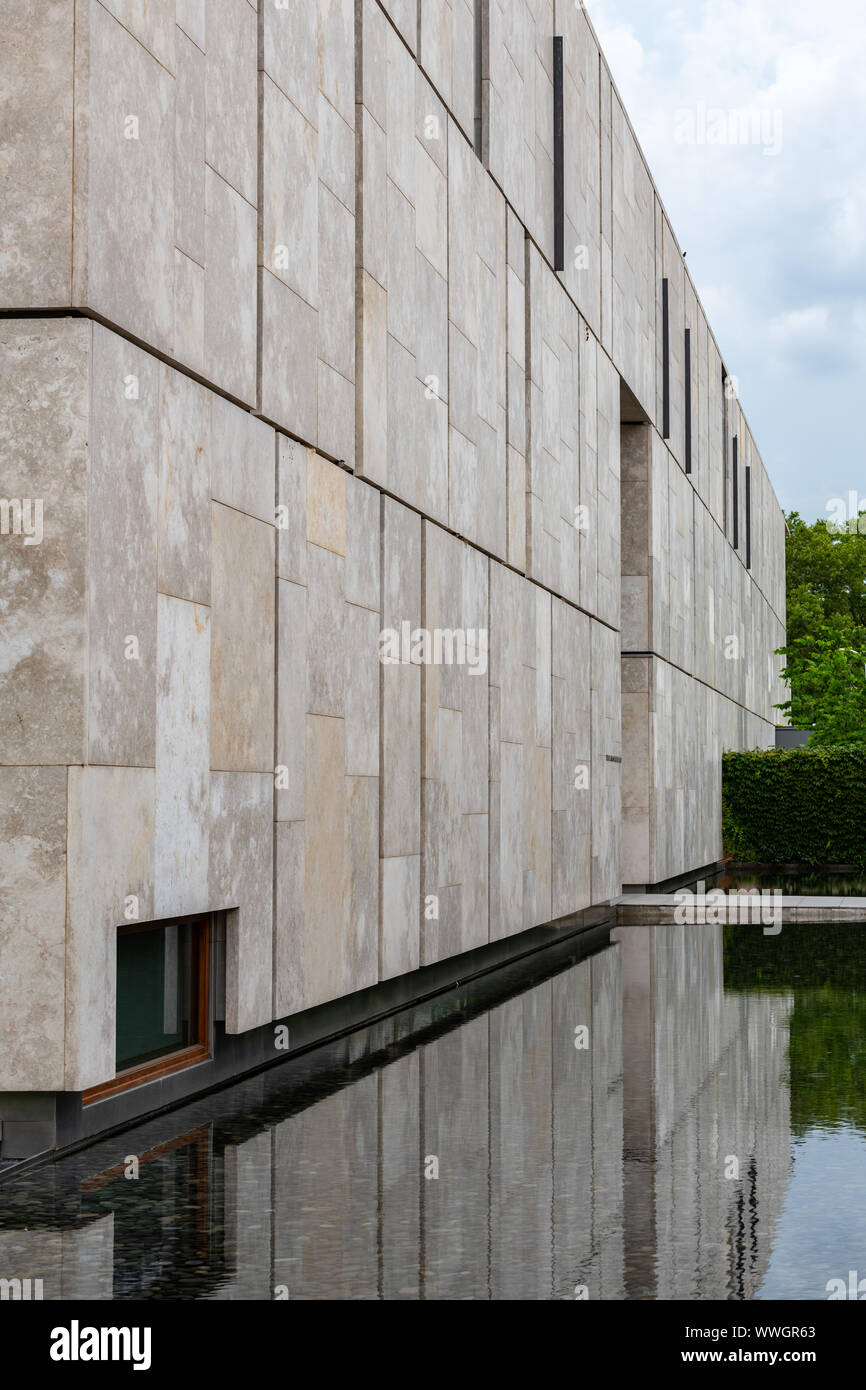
<point>797,805</point>
<point>828,685</point>
<point>826,1057</point>
<point>825,971</point>
<point>826,636</point>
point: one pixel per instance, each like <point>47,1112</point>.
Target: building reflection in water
<point>469,1148</point>
<point>707,1118</point>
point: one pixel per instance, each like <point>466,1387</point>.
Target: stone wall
<point>285,357</point>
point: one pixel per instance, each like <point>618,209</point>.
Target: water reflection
<point>796,882</point>
<point>653,1120</point>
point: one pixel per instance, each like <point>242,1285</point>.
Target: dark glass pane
<point>154,993</point>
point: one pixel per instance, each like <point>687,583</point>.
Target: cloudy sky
<point>775,230</point>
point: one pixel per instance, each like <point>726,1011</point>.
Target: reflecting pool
<point>657,1112</point>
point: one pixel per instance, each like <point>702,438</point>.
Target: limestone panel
<point>670,267</point>
<point>607,501</point>
<point>152,24</point>
<point>36,154</point>
<point>44,402</point>
<point>183,512</point>
<point>571,857</point>
<point>582,136</point>
<point>190,16</point>
<point>606,243</point>
<point>123,263</point>
<point>446,52</point>
<point>477,343</point>
<point>289,370</point>
<point>520,754</point>
<point>181,827</point>
<point>289,882</point>
<point>404,16</point>
<point>230,76</point>
<point>606,763</point>
<point>400,891</point>
<point>242,460</point>
<point>590,520</point>
<point>400,738</point>
<point>121,553</point>
<point>633,233</point>
<point>110,881</point>
<point>554,483</point>
<point>189,149</point>
<point>403,365</point>
<point>635,538</point>
<point>516,389</point>
<point>328,682</point>
<point>517,80</point>
<point>307,235</point>
<point>229,292</point>
<point>240,879</point>
<point>291,699</point>
<point>291,510</point>
<point>32,926</point>
<point>242,643</point>
<point>455,793</point>
<point>189,297</point>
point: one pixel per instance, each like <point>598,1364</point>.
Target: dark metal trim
<point>735,499</point>
<point>688,400</point>
<point>666,362</point>
<point>558,157</point>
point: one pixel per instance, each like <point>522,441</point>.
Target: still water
<point>667,1112</point>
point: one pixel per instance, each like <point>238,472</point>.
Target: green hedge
<point>804,805</point>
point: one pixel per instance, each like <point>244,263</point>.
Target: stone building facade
<point>320,321</point>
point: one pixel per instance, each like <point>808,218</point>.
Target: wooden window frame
<point>193,1053</point>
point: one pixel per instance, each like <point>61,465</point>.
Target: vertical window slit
<point>735,498</point>
<point>479,78</point>
<point>558,157</point>
<point>688,400</point>
<point>666,364</point>
<point>748,518</point>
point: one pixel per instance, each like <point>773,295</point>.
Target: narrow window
<point>558,158</point>
<point>724,451</point>
<point>162,1006</point>
<point>666,364</point>
<point>479,78</point>
<point>748,518</point>
<point>735,499</point>
<point>688,400</point>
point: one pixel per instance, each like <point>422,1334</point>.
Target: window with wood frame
<point>163,1001</point>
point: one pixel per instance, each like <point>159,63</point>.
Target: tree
<point>826,638</point>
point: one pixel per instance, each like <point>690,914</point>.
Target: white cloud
<point>800,325</point>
